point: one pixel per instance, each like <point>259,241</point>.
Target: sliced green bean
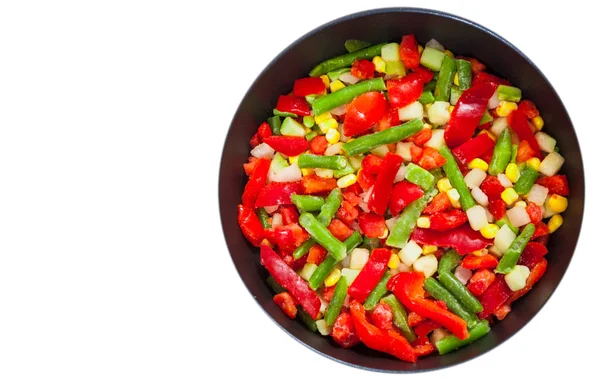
<point>451,343</point>
<point>438,292</point>
<point>332,203</point>
<point>263,216</point>
<point>456,179</point>
<point>430,86</point>
<point>378,292</point>
<point>513,155</point>
<point>502,153</point>
<point>329,262</point>
<point>310,161</point>
<point>307,320</point>
<point>371,243</point>
<point>335,74</point>
<point>449,261</point>
<point>460,291</point>
<point>346,59</point>
<point>426,98</point>
<point>337,300</point>
<point>304,248</point>
<point>274,285</point>
<point>354,44</point>
<point>275,124</point>
<point>463,69</point>
<point>346,95</point>
<point>307,203</point>
<point>391,135</point>
<point>512,255</point>
<point>526,180</point>
<point>323,236</point>
<point>399,317</point>
<point>419,176</point>
<point>343,172</point>
<point>407,221</point>
<point>444,81</point>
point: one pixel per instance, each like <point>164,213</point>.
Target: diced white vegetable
<point>438,334</point>
<point>350,274</point>
<point>403,150</point>
<point>271,208</point>
<point>504,238</point>
<point>365,195</point>
<point>494,101</point>
<point>341,110</point>
<point>504,181</point>
<point>364,206</point>
<point>290,173</point>
<point>390,52</point>
<point>348,79</point>
<point>545,141</point>
<point>437,140</point>
<point>334,149</point>
<point>480,197</point>
<point>537,194</point>
<point>516,279</point>
<point>323,328</point>
<point>518,216</point>
<point>380,151</point>
<point>494,250</point>
<point>276,220</point>
<point>323,173</point>
<point>409,254</point>
<point>438,112</point>
<point>355,162</point>
<point>490,217</point>
<point>551,164</point>
<point>402,268</point>
<point>434,45</point>
<point>390,223</point>
<point>427,265</point>
<point>474,178</point>
<point>411,111</point>
<point>324,305</point>
<point>263,150</point>
<point>401,174</point>
<point>477,217</point>
<point>499,125</point>
<point>463,275</point>
<point>358,258</point>
<point>307,271</point>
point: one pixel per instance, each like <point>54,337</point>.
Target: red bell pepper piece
<point>492,187</point>
<point>440,203</point>
<point>264,131</point>
<point>494,296</point>
<point>364,112</point>
<point>309,86</point>
<point>363,69</point>
<point>524,151</point>
<point>480,281</point>
<point>370,274</point>
<point>487,156</point>
<point>464,239</point>
<point>486,78</point>
<point>339,230</point>
<point>424,328</point>
<point>277,193</point>
<point>409,52</point>
<point>473,148</point>
<point>343,332</point>
<point>467,113</point>
<point>286,302</point>
<point>536,272</point>
<point>327,292</point>
<point>380,196</point>
<point>431,159</point>
<point>541,230</point>
<point>390,119</point>
<point>487,261</point>
<point>414,319</point>
<point>444,221</point>
<point>497,207</point>
<point>408,288</point>
<point>288,145</point>
<point>381,316</point>
<point>502,311</point>
<point>556,184</point>
<point>250,165</point>
<point>316,254</point>
<point>290,281</point>
<point>476,66</point>
<point>421,137</point>
<point>425,74</point>
<point>318,145</point>
<point>372,225</point>
<point>256,182</point>
<point>352,196</point>
<point>315,184</point>
<point>250,225</point>
<point>289,214</point>
<point>529,109</point>
<point>534,212</point>
<point>389,342</point>
<point>365,180</point>
<point>422,346</point>
<point>287,238</point>
<point>532,254</point>
<point>372,164</point>
<point>518,122</point>
<point>255,140</point>
<point>406,90</point>
<point>415,153</point>
<point>347,213</point>
<point>292,104</point>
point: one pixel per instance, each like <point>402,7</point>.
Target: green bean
<point>307,320</point>
<point>308,121</point>
<point>426,98</point>
<point>336,302</point>
<point>378,292</point>
<point>451,343</point>
<point>455,94</point>
<point>304,248</point>
<point>513,155</point>
<point>329,262</point>
<point>274,285</point>
<point>408,220</point>
<point>463,68</point>
<point>440,293</point>
<point>343,172</point>
<point>346,59</point>
<point>526,180</point>
<point>456,179</point>
<point>263,216</point>
<point>311,135</point>
<point>460,291</point>
<point>509,93</point>
<point>391,135</point>
<point>332,203</point>
<point>503,221</point>
<point>335,74</point>
<point>400,317</point>
<point>444,81</point>
<point>275,124</point>
<point>419,176</point>
<point>501,155</point>
<point>430,86</point>
<point>449,261</point>
<point>322,235</point>
<point>333,162</point>
<point>511,256</point>
<point>307,203</point>
<point>354,44</point>
<point>371,243</point>
<point>346,95</point>
<point>277,112</point>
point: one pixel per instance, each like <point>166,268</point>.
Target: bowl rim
<point>416,10</point>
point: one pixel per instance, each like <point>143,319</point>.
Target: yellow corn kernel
<point>449,53</point>
<point>327,124</point>
<point>324,173</point>
<point>555,222</point>
<point>444,185</point>
<point>479,164</point>
<point>423,222</point>
<point>505,108</point>
<point>325,80</point>
<point>454,197</point>
<point>307,172</point>
<point>427,126</point>
<point>456,79</point>
<point>385,234</point>
<point>558,203</point>
<point>429,249</point>
<point>323,117</point>
<point>420,49</point>
<point>538,123</point>
<point>534,163</point>
<point>521,204</point>
<point>488,134</point>
<point>294,160</point>
<point>394,261</point>
<point>480,253</point>
<point>450,108</point>
<point>346,181</point>
<point>512,172</point>
<point>333,277</point>
<point>509,195</point>
<point>332,136</point>
<point>379,64</point>
<point>489,231</point>
<point>336,86</point>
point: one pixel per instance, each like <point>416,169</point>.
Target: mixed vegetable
<point>402,198</point>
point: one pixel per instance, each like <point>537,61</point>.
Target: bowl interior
<point>460,36</point>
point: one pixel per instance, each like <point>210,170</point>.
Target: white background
<point>113,268</point>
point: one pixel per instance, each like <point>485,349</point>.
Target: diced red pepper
<point>494,296</point>
<point>327,292</point>
<point>309,86</point>
<point>296,264</point>
<point>364,112</point>
<point>486,78</point>
<point>352,197</point>
<point>524,152</point>
<point>255,140</point>
<point>532,254</point>
<point>286,302</point>
<point>536,272</point>
<point>541,230</point>
<point>421,137</point>
<point>501,312</point>
<point>292,104</point>
<point>424,328</point>
<point>415,153</point>
<point>406,90</point>
<point>409,52</point>
<point>476,66</point>
<point>425,74</point>
<point>318,145</point>
<point>381,316</point>
<point>370,274</point>
<point>480,281</point>
<point>444,221</point>
<point>492,187</point>
<point>290,281</point>
<point>343,332</point>
<point>390,119</point>
<point>487,261</point>
<point>250,225</point>
<point>288,145</point>
<point>464,239</point>
<point>316,254</point>
<point>372,225</point>
<point>556,184</point>
<point>487,156</point>
<point>315,184</point>
<point>385,341</point>
<point>363,69</point>
<point>497,207</point>
<point>380,196</point>
<point>277,193</point>
<point>403,193</point>
<point>289,214</point>
<point>414,319</point>
<point>250,165</point>
<point>339,229</point>
<point>473,148</point>
<point>422,347</point>
<point>372,164</point>
<point>264,131</point>
<point>467,113</point>
<point>347,213</point>
<point>529,109</point>
<point>431,159</point>
<point>289,237</point>
<point>256,182</point>
<point>534,212</point>
<point>518,122</point>
<point>440,203</point>
<point>408,288</point>
<point>365,180</point>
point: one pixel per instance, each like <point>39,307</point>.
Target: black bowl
<point>381,25</point>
